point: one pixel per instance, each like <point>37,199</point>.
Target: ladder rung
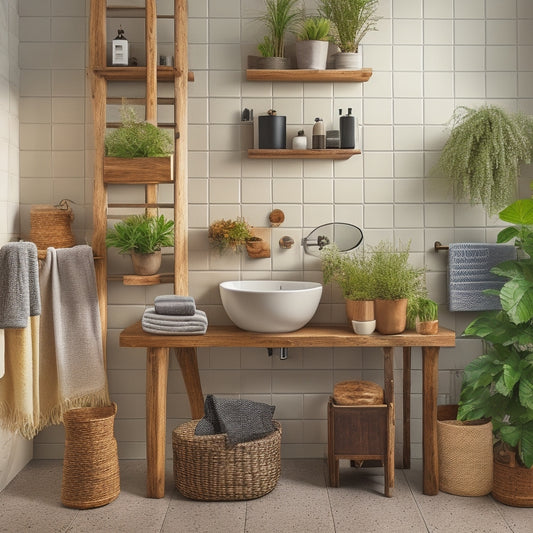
<point>138,101</point>
<point>143,205</point>
<point>159,124</point>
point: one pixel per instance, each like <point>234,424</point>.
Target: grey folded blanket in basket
<point>242,420</point>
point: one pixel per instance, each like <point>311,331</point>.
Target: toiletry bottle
<point>119,56</point>
<point>319,135</point>
<point>300,141</point>
<point>347,127</point>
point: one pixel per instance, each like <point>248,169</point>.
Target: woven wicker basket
<point>205,468</point>
<point>465,457</point>
<point>50,226</point>
<point>90,465</point>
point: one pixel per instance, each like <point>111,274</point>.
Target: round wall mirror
<point>345,236</point>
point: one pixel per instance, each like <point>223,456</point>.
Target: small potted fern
<point>423,315</point>
<point>137,151</point>
<point>312,43</point>
<point>142,237</point>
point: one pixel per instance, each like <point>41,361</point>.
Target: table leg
<point>407,407</point>
<point>188,362</point>
<point>388,370</point>
<point>156,418</point>
<point>430,376</point>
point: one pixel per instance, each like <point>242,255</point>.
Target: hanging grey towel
<point>19,284</point>
<point>469,275</point>
<point>242,420</point>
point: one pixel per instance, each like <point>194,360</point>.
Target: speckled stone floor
<point>301,502</point>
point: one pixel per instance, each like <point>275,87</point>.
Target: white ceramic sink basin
<point>270,306</point>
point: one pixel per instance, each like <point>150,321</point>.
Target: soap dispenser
<point>319,135</point>
<point>119,55</point>
<point>347,129</point>
<point>300,141</point>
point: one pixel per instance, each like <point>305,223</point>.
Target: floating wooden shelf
<point>309,75</point>
<point>131,12</point>
<point>139,73</point>
<point>156,279</point>
<point>330,153</point>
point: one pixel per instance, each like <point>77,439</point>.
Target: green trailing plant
<point>422,309</point>
<point>142,234</point>
<point>314,29</point>
<point>229,234</point>
<point>499,383</point>
<point>280,17</point>
<point>352,272</point>
<point>393,277</point>
<point>135,138</point>
<point>351,20</point>
<point>483,154</point>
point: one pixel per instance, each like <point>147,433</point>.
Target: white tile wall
<point>428,56</point>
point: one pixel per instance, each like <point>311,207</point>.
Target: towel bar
<point>439,246</point>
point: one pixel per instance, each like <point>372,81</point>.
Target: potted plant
<point>498,384</point>
<point>142,237</point>
<point>137,151</point>
<point>422,315</point>
<point>312,43</point>
<point>394,282</point>
<point>352,272</point>
<point>352,20</point>
<point>230,234</point>
<point>280,17</point>
<point>482,156</point>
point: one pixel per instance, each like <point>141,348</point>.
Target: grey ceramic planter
<point>312,54</point>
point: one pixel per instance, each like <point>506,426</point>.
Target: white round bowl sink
<point>270,306</point>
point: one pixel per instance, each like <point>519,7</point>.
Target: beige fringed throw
<point>71,336</point>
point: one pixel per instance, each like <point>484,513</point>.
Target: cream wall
<point>428,57</point>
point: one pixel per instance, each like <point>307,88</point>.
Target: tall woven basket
<point>90,465</point>
<point>206,468</point>
<point>465,457</point>
<point>51,226</point>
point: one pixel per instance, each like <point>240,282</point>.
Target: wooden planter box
<point>138,169</point>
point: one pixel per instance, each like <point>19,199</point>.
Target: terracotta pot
<point>430,327</point>
<point>146,264</point>
<point>391,316</point>
<point>512,483</point>
<point>360,310</point>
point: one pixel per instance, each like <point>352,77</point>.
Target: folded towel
<point>19,284</point>
<point>173,304</point>
<point>469,275</point>
<point>153,322</point>
<point>242,420</point>
<point>176,330</point>
<point>199,316</point>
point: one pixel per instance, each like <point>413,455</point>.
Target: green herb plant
<point>422,309</point>
<point>280,17</point>
<point>393,277</point>
<point>142,234</point>
<point>135,138</point>
<point>229,234</point>
<point>352,20</point>
<point>314,29</point>
<point>483,154</point>
<point>499,384</point>
<point>352,272</point>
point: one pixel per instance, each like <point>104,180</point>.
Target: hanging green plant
<point>483,154</point>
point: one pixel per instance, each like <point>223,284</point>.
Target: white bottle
<point>119,55</point>
<point>299,142</point>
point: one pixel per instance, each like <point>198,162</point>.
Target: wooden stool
<point>359,433</point>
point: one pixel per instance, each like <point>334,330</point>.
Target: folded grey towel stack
<point>161,324</point>
<point>174,304</point>
<point>242,420</point>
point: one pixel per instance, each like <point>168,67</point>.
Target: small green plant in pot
<point>395,281</point>
<point>280,18</point>
<point>351,20</point>
<point>142,236</point>
<point>499,383</point>
<point>422,315</point>
<point>483,154</point>
<point>229,234</point>
<point>352,272</point>
<point>312,43</point>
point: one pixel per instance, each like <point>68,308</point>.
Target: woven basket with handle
<point>206,468</point>
<point>51,226</point>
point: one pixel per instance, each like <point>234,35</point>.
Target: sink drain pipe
<point>283,353</point>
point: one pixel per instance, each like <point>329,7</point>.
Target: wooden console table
<point>311,336</point>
